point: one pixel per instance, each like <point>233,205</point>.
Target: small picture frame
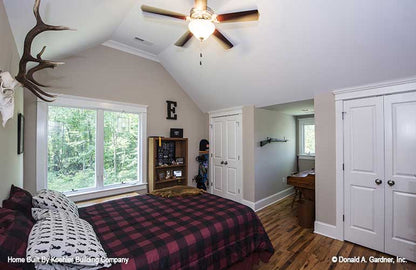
<point>179,160</point>
<point>20,133</point>
<point>177,173</point>
<point>176,132</point>
<point>162,175</point>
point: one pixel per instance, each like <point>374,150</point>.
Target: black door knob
<point>391,183</point>
<point>226,163</point>
<point>378,182</point>
<point>222,162</point>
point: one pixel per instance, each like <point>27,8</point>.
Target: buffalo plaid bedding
<point>198,232</point>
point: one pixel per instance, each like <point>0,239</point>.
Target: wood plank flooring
<point>299,248</point>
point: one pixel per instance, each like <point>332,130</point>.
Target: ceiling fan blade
<point>223,40</point>
<point>200,4</point>
<point>184,39</point>
<point>241,16</point>
<point>163,12</point>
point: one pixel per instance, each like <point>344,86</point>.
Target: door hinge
<point>343,166</point>
<point>238,191</point>
<point>238,123</point>
<point>212,155</point>
<point>343,115</point>
<point>210,125</point>
<point>343,218</point>
<point>238,157</point>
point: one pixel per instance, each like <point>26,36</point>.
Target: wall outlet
<point>284,180</point>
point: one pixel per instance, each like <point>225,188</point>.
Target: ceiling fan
<point>202,21</point>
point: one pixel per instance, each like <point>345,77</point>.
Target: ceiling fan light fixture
<point>201,28</point>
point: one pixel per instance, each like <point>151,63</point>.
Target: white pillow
<point>40,213</point>
<point>54,200</point>
<point>59,235</point>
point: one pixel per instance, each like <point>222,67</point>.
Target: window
<point>90,146</point>
<point>307,137</point>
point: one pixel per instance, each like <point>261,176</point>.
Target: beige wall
<point>11,164</point>
<point>248,154</point>
<point>325,158</point>
<point>274,161</point>
<point>109,74</point>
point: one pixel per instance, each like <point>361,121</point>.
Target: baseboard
<point>326,229</point>
<point>250,204</point>
<point>263,203</point>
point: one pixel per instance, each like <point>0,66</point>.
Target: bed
<point>198,232</point>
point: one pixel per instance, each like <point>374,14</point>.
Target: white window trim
<point>301,123</point>
<point>95,104</point>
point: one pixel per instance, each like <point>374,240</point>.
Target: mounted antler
<point>26,77</point>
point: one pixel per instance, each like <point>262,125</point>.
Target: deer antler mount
<point>25,77</point>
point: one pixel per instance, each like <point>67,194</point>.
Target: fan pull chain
<point>200,53</point>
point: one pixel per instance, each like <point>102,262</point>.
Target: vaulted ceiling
<point>296,50</point>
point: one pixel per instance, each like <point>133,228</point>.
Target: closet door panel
<point>219,155</point>
<point>233,163</point>
<point>364,169</point>
<point>400,144</point>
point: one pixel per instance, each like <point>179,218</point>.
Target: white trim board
<point>250,204</point>
<point>131,50</point>
<point>263,203</point>
<point>226,112</point>
<point>383,88</point>
<point>326,229</point>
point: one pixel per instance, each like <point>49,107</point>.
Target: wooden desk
<point>305,183</point>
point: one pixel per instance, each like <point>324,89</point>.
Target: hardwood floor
<point>299,248</point>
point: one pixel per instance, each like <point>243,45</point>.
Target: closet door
<point>364,172</point>
<point>226,151</point>
<point>218,150</point>
<point>232,163</point>
<point>400,166</point>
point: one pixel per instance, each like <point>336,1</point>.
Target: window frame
<point>301,123</point>
<point>100,106</point>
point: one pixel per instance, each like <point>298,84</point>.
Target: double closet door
<point>380,173</point>
<point>225,147</point>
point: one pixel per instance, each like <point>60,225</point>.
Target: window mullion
<point>99,154</point>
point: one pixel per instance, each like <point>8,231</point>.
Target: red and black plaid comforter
<point>199,232</point>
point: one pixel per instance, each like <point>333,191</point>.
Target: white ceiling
<point>297,108</point>
<point>94,21</point>
<point>297,49</point>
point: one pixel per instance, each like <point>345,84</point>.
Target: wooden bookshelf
<point>161,159</point>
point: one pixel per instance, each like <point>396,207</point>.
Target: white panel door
<point>218,155</point>
<point>232,164</point>
<point>364,172</point>
<point>225,159</point>
<point>400,169</point>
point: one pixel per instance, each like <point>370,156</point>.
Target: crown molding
<point>131,50</point>
<point>382,88</point>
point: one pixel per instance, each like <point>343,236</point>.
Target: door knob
<point>391,183</point>
<point>222,162</point>
<point>226,163</point>
<point>378,182</point>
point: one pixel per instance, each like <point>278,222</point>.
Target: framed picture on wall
<point>20,133</point>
